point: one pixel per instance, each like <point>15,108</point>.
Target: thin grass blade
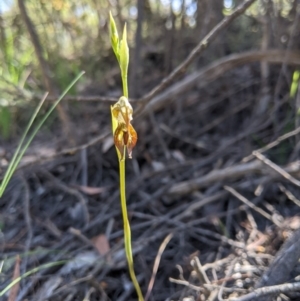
<point>44,266</point>
<point>21,152</point>
<point>11,165</point>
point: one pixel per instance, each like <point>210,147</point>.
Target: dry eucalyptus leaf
<point>101,243</point>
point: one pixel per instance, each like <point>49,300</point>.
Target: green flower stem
<point>127,230</point>
<point>121,51</point>
<point>125,85</point>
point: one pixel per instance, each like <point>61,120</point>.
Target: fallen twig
<point>270,290</point>
<point>213,71</point>
<point>277,168</point>
<point>251,205</point>
<point>156,264</point>
<point>273,143</point>
<point>228,173</point>
<point>15,288</point>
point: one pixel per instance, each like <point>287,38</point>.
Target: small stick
<point>83,238</point>
<point>274,143</point>
<point>196,264</point>
<point>200,271</point>
<point>15,288</point>
<point>275,167</point>
<point>227,275</point>
<point>270,290</point>
<point>156,264</point>
<point>251,205</point>
<point>289,195</point>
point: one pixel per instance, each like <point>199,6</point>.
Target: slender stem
<point>125,85</point>
<point>127,231</point>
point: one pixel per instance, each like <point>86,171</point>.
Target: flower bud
<point>124,53</point>
<point>114,36</point>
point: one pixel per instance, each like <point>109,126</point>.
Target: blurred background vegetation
<point>65,37</point>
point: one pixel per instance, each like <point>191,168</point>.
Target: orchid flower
<point>125,135</point>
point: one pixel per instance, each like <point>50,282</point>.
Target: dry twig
<point>228,173</point>
<point>289,195</point>
<point>277,168</point>
<point>15,289</point>
<point>213,71</point>
<point>273,143</point>
<point>156,264</point>
<point>269,290</point>
<point>251,205</point>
